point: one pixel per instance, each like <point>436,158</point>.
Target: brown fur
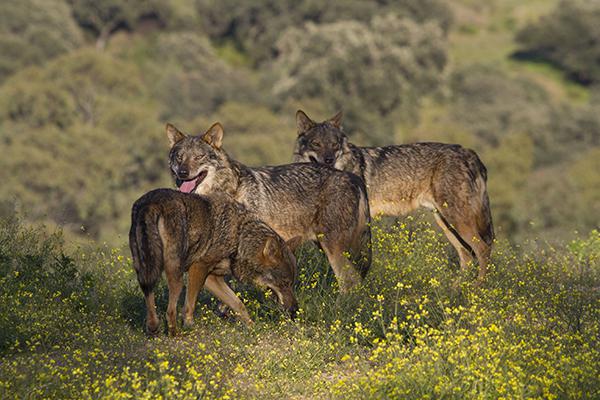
<point>209,237</point>
<point>308,200</point>
<point>445,178</point>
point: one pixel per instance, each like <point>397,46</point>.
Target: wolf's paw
<point>172,331</point>
<point>188,324</point>
<point>480,282</point>
<point>223,311</point>
<point>152,331</point>
<point>152,328</point>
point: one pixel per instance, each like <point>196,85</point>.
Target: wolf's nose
<point>183,172</point>
<point>329,160</point>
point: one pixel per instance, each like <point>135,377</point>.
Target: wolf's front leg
<point>345,273</point>
<point>217,286</point>
<point>196,278</point>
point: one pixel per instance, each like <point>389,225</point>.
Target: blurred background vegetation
<point>87,85</point>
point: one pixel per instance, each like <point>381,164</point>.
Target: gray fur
<point>446,178</point>
<point>307,200</point>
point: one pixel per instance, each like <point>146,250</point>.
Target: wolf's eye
<point>315,144</point>
<point>179,158</point>
<point>198,158</point>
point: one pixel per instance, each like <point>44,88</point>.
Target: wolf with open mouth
<point>311,201</point>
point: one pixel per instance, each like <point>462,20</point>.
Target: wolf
<point>314,202</point>
<point>209,236</point>
<point>446,178</point>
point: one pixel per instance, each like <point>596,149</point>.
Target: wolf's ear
<point>303,122</point>
<point>214,135</point>
<point>270,250</point>
<point>294,242</point>
<point>174,134</point>
<point>336,120</point>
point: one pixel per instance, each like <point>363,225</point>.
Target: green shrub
<point>254,27</point>
<point>34,31</point>
<point>567,37</point>
<point>375,71</point>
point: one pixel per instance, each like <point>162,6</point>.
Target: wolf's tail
<point>485,226</point>
<point>484,222</point>
<point>146,246</point>
<point>363,256</point>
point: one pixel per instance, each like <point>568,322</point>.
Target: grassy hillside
<point>82,112</point>
<point>485,34</point>
<point>85,90</point>
<point>72,327</point>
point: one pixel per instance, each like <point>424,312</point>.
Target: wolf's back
<point>146,244</point>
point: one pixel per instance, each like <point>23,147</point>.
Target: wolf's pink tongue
<point>188,186</point>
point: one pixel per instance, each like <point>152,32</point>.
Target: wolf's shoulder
<point>308,176</point>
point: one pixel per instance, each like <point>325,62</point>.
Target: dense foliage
<point>255,26</point>
<point>86,87</point>
<point>33,31</point>
<point>568,37</point>
<point>394,61</point>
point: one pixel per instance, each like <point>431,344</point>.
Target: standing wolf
<point>211,237</point>
<point>446,178</point>
<point>308,200</point>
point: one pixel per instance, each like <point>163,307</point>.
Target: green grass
<point>485,35</point>
<point>72,327</point>
<point>231,55</point>
<point>553,80</point>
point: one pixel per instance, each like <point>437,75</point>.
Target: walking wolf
<point>446,178</point>
<point>211,237</point>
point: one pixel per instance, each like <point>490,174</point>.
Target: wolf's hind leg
<point>345,273</point>
<point>464,255</point>
<point>217,286</point>
<point>152,322</point>
<point>196,278</point>
<point>175,282</point>
<point>465,226</point>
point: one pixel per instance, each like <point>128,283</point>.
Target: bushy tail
<point>484,223</point>
<point>146,247</point>
<point>484,216</point>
